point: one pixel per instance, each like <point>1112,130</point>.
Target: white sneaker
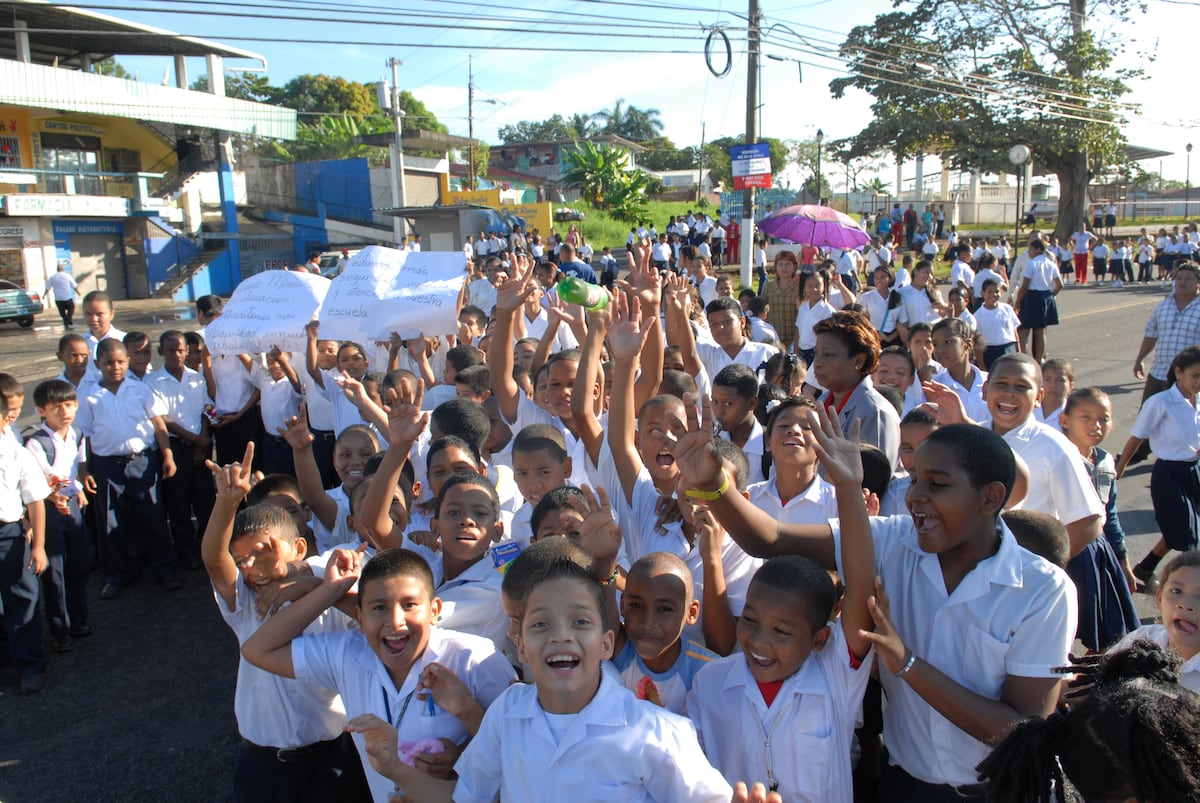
<point>1118,283</point>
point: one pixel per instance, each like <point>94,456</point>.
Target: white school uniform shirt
<point>1189,672</point>
<point>708,289</point>
<point>751,354</point>
<point>966,317</point>
<point>892,503</point>
<point>902,278</point>
<point>234,388</point>
<point>673,684</point>
<point>345,414</point>
<point>278,400</point>
<point>274,711</point>
<point>1172,425</point>
<point>471,601</point>
<point>807,316</point>
<point>809,727</point>
<point>528,413</point>
<point>184,398</point>
<point>761,331</point>
<point>330,537</point>
<point>1013,614</point>
<point>998,326</point>
<point>883,319</point>
<point>564,338</point>
<point>482,293</point>
<point>113,333</point>
<point>816,505</point>
<point>753,450</point>
<point>961,273</point>
<point>1100,252</point>
<point>346,663</point>
<point>320,410</point>
<point>21,480</point>
<point>981,277</point>
<point>618,748</point>
<point>61,286</point>
<point>119,423</point>
<point>1041,273</point>
<point>638,537</point>
<point>1062,485</point>
<point>972,398</point>
<point>917,306</point>
<point>1051,420</point>
<point>68,454</point>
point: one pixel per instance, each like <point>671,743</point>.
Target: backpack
<point>47,442</point>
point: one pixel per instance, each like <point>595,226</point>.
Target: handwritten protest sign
<point>269,309</point>
<point>382,290</point>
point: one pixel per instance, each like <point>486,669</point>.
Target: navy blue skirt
<point>1175,492</point>
<point>1038,310</point>
<point>1106,610</point>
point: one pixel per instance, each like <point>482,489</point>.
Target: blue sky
<point>591,74</point>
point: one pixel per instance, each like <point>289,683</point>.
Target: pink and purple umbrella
<point>822,226</point>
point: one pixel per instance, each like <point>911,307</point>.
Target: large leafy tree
<point>628,121</point>
<point>968,79</point>
<point>605,179</point>
<point>327,94</point>
<point>549,130</point>
<point>661,154</point>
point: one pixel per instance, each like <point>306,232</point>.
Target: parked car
<point>329,262</point>
<point>18,304</point>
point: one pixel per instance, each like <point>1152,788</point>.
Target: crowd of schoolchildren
<point>829,546</point>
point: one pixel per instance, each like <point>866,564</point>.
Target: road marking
<point>1086,313</point>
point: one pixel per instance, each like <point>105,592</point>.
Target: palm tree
<point>582,126</point>
<point>630,122</point>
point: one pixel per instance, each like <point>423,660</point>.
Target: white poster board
<point>383,290</point>
<point>269,309</point>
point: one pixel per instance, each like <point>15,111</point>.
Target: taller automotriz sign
<point>751,165</point>
<point>31,205</point>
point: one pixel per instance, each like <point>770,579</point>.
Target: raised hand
<point>888,644</point>
<point>679,291</point>
<point>840,456</point>
<point>644,282</point>
<point>275,594</point>
<point>406,420</point>
<point>628,333</point>
<point>233,481</point>
<point>512,292</point>
<point>382,744</point>
<point>695,455</point>
<point>949,409</point>
<point>295,431</point>
<point>344,566</point>
<point>598,532</point>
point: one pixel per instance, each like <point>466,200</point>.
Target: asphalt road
<point>143,710</point>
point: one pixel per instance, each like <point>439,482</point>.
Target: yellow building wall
<point>536,216</point>
<point>114,132</point>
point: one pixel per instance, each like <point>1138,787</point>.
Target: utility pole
<point>397,149</point>
<point>470,124</point>
<point>752,47</point>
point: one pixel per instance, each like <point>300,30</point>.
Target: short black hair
<point>264,519</point>
<point>723,304</point>
<point>172,334</point>
<point>539,438</point>
<point>193,339</point>
<point>98,297</point>
<point>135,339</point>
<point>207,305</point>
<point>1019,358</point>
<point>806,579</point>
<point>395,563</point>
<point>677,384</point>
<point>757,304</point>
<point>467,478</point>
<point>739,378</point>
<point>919,415</point>
<point>464,355</point>
<point>893,395</point>
<point>472,311</point>
<point>274,485</point>
<point>477,378</point>
<point>53,391</point>
<point>529,567</point>
<point>566,497</point>
<point>567,569</point>
<point>982,454</point>
<point>68,339</point>
<point>1041,534</point>
<point>439,445</point>
<point>730,452</point>
<point>877,469</point>
<point>108,346</point>
<point>462,418</point>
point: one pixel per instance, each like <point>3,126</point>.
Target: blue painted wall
<point>342,186</point>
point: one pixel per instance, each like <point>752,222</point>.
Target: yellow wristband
<point>708,496</point>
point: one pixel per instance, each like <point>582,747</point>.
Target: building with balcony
<point>105,175</point>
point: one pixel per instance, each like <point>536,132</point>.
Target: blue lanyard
<point>387,707</point>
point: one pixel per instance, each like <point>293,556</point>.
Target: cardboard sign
<point>269,309</point>
<point>382,290</point>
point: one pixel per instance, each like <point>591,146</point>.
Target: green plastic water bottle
<point>591,297</point>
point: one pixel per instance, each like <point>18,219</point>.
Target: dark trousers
<point>329,772</point>
<point>129,511</point>
<point>231,439</point>
<point>897,786</point>
<point>941,224</point>
<point>993,353</point>
<point>322,449</point>
<point>64,583</point>
<point>278,457</point>
<point>66,310</point>
<point>19,594</point>
<point>189,493</point>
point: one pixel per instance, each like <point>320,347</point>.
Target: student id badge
<point>504,554</point>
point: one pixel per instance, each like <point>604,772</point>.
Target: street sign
<point>751,165</point>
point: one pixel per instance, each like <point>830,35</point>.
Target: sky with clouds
<point>594,68</point>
